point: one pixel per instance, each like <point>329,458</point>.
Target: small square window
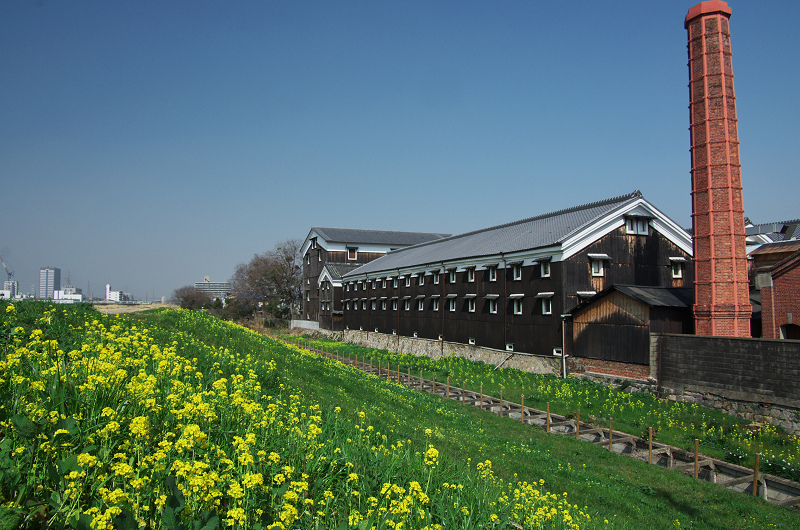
<point>452,275</point>
<point>436,278</point>
<point>435,304</point>
<point>598,268</point>
<point>376,330</point>
<point>471,341</point>
<point>394,332</point>
<point>493,306</point>
<point>517,271</point>
<point>545,267</point>
<point>547,306</point>
<point>471,274</point>
<point>420,304</point>
<point>509,346</point>
<point>451,304</point>
<point>415,334</point>
<point>517,306</point>
<point>677,269</point>
<point>492,274</point>
<point>352,253</point>
<point>471,305</point>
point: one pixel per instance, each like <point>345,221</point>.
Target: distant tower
<point>49,281</point>
<point>721,292</point>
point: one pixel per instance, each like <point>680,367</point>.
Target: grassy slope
<point>630,494</point>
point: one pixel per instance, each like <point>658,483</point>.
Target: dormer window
<point>637,225</point>
<point>352,253</point>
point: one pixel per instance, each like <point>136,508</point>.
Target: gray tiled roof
<point>658,296</point>
<point>377,237</point>
<point>534,232</point>
<point>777,231</point>
<point>337,270</point>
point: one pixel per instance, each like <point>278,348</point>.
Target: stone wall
<point>435,349</point>
<point>756,379</point>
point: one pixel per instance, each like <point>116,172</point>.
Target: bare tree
<point>188,297</point>
<point>271,280</point>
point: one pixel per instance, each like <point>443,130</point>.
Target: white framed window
<point>516,272</point>
<point>471,274</point>
<point>313,242</point>
<point>435,304</point>
<point>373,284</point>
<point>492,274</point>
<point>421,280</point>
<point>598,267</point>
<point>517,306</point>
<point>637,225</point>
<point>408,281</point>
<point>364,305</point>
<point>471,305</point>
<point>319,255</point>
<point>452,275</point>
<point>355,305</point>
<point>406,305</point>
<point>451,304</point>
<point>308,259</point>
<point>347,306</point>
<point>352,253</point>
<point>545,268</point>
<point>435,277</point>
<point>509,346</point>
<point>677,266</point>
<point>383,305</point>
<point>308,296</point>
<point>373,305</point>
<point>493,306</point>
<point>394,305</point>
<point>471,341</point>
<point>547,306</point>
<point>394,283</point>
<point>415,334</point>
<point>420,304</point>
<point>383,283</point>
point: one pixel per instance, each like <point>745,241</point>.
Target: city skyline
<point>147,145</point>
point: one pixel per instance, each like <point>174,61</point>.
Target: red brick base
<point>631,371</point>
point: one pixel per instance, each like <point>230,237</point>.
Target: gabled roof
<point>778,247</point>
<point>651,295</point>
<point>375,237</point>
<point>541,231</point>
<point>772,232</point>
<point>337,270</point>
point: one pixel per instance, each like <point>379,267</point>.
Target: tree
<point>188,297</point>
<point>271,280</point>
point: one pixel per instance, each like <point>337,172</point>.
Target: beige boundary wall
<point>437,349</point>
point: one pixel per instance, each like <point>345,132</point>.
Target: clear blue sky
<point>147,144</point>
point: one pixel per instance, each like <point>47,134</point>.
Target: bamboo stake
<point>522,410</point>
<point>448,387</point>
<point>547,430</point>
<point>755,476</point>
<point>611,434</point>
<point>650,445</point>
<point>379,368</point>
<point>696,458</point>
<point>578,425</point>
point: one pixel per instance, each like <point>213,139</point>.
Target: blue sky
<point>148,144</point>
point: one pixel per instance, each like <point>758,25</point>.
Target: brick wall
<point>780,302</point>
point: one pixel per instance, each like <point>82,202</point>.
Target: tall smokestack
<point>721,292</point>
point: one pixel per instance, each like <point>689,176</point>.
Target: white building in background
<point>114,296</point>
<point>10,289</point>
<point>49,282</point>
<point>221,290</point>
<point>69,295</point>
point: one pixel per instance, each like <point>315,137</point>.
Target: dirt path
<point>115,309</point>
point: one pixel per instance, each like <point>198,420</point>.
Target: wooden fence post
<point>448,387</point>
<point>463,392</point>
<point>481,396</point>
<point>578,425</point>
<point>755,476</point>
<point>611,434</point>
<point>696,458</point>
<point>547,429</point>
<point>501,403</point>
<point>433,383</point>
<point>420,378</point>
<point>379,368</point>
<point>650,445</point>
<point>522,410</point>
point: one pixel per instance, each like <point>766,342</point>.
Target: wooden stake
<point>755,476</point>
<point>501,403</point>
<point>463,392</point>
<point>578,424</point>
<point>547,429</point>
<point>370,365</point>
<point>379,368</point>
<point>522,410</point>
<point>420,379</point>
<point>481,396</point>
<point>448,387</point>
<point>611,434</point>
<point>650,445</point>
<point>696,458</point>
<point>433,379</point>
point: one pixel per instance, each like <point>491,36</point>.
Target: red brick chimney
<point>721,292</point>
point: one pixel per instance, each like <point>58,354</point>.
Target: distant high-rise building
<point>49,281</point>
<point>12,286</point>
<point>220,290</point>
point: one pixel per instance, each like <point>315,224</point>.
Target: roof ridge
<point>373,230</point>
<point>620,198</point>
